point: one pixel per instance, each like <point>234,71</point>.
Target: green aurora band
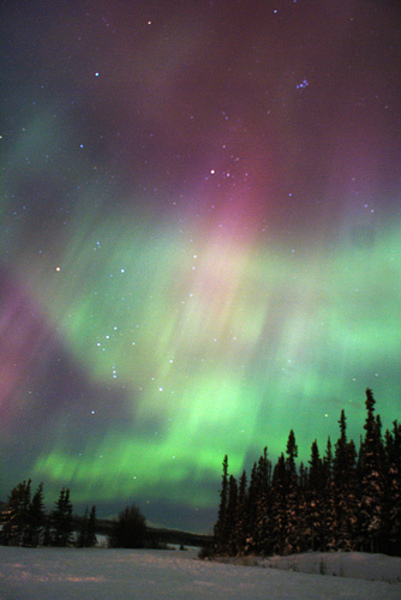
<point>220,347</point>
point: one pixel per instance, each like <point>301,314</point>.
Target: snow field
<point>98,574</point>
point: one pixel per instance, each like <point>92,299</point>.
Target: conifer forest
<point>348,499</point>
<point>24,521</point>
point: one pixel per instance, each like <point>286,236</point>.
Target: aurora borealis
<point>200,219</point>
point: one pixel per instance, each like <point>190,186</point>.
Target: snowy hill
<point>49,573</point>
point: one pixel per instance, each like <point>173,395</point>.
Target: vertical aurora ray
<point>213,328</point>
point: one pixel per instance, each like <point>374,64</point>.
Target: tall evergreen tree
<point>263,537</point>
<point>392,499</point>
<point>83,531</point>
<point>36,517</point>
<point>87,533</point>
<point>314,501</point>
<point>231,516</point>
<point>344,485</point>
<point>251,545</point>
<point>92,522</point>
<point>292,533</point>
<point>330,526</point>
<point>240,529</point>
<point>221,533</point>
<point>15,516</point>
<point>129,531</point>
<point>62,520</point>
<point>278,503</point>
<point>372,480</point>
<point>304,532</point>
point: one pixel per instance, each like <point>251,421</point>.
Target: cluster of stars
<point>304,84</point>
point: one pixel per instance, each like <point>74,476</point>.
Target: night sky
<point>200,249</point>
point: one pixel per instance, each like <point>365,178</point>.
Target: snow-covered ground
<point>100,574</point>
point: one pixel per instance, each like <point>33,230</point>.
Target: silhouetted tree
<point>292,534</point>
<point>129,530</point>
<point>313,522</point>
<point>344,486</point>
<point>36,518</point>
<point>251,511</point>
<point>392,497</point>
<point>83,531</point>
<point>372,480</point>
<point>278,500</point>
<point>15,516</point>
<point>87,533</point>
<point>240,528</point>
<point>61,522</point>
<point>330,526</point>
<point>231,515</point>
<point>262,535</point>
<point>221,533</point>
<point>91,534</point>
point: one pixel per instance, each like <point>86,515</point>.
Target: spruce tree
<point>292,533</point>
<point>87,533</point>
<point>303,509</point>
<point>344,485</point>
<point>392,500</point>
<point>231,516</point>
<point>263,540</point>
<point>279,513</point>
<point>62,520</point>
<point>91,532</point>
<point>372,480</point>
<point>251,511</point>
<point>221,533</point>
<point>314,501</point>
<point>330,526</point>
<point>220,528</point>
<point>129,531</point>
<point>83,531</point>
<point>240,530</point>
<point>36,518</point>
<point>15,516</point>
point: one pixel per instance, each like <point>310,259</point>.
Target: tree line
<point>25,522</point>
<point>345,500</point>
